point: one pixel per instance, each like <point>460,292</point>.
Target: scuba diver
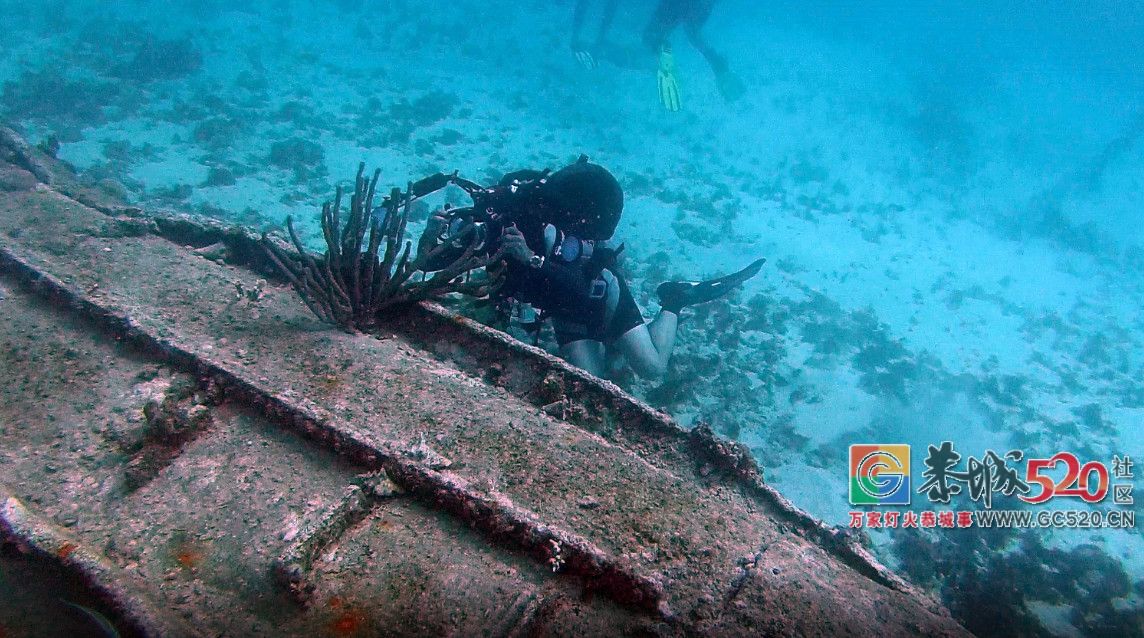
<point>553,231</point>
<point>669,14</point>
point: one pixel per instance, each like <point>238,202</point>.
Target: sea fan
<point>354,283</point>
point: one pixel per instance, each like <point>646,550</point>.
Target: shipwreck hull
<point>181,432</point>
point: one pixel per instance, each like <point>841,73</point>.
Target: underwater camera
<point>493,210</point>
<point>488,223</point>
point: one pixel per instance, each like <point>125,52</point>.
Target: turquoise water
<point>947,194</point>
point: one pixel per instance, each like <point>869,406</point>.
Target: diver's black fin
<point>675,295</point>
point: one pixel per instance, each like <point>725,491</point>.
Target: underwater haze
<point>947,193</point>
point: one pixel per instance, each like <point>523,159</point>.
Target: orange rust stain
<point>188,556</point>
<point>385,525</point>
<point>67,549</point>
<point>348,623</point>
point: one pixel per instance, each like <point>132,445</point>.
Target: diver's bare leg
<point>586,354</point>
<point>606,20</point>
<point>578,15</point>
<point>648,347</point>
<point>717,62</point>
<point>730,86</point>
<point>662,330</point>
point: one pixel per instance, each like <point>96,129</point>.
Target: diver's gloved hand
<point>675,295</point>
<point>437,224</point>
<point>668,85</point>
<point>730,86</point>
<point>515,247</point>
<point>435,229</point>
<point>584,56</point>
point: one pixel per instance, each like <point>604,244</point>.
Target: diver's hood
<point>582,199</point>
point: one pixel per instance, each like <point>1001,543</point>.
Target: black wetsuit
<point>573,293</point>
<point>692,15</point>
<point>568,291</point>
<point>669,14</point>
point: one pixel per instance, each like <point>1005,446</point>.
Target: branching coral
<point>354,283</point>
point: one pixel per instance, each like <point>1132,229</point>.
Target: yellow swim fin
<point>668,85</point>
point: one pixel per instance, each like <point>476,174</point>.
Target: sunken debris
<point>354,283</point>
